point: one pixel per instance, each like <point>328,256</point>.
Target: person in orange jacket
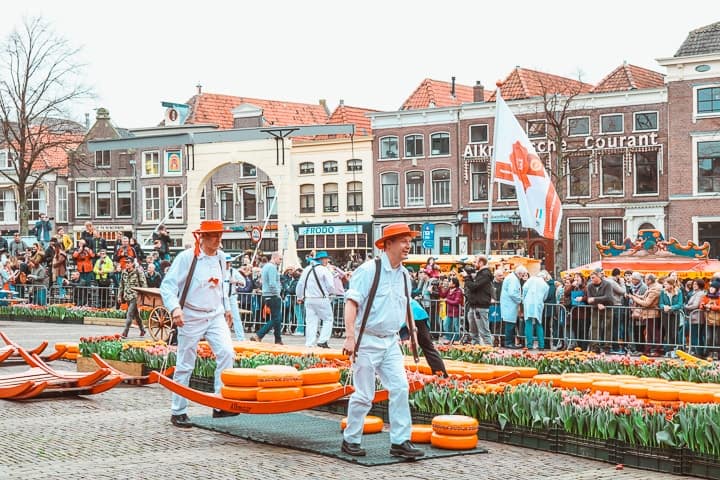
<point>83,256</point>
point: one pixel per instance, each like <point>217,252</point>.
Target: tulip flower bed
<point>58,313</point>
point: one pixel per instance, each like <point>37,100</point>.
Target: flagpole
<point>488,219</point>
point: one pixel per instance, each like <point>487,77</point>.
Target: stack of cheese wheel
<point>320,380</point>
<point>72,350</point>
<point>372,424</point>
<point>421,433</point>
<point>454,432</point>
<point>240,383</point>
<point>278,382</point>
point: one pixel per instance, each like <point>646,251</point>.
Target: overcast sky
<point>371,53</point>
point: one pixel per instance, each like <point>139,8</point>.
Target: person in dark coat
<point>479,294</point>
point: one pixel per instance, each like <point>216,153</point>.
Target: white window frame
<point>657,121</point>
<point>397,185</point>
<point>500,197</point>
<point>487,133</point>
<point>42,202</point>
<point>658,160</point>
<point>312,164</point>
<point>408,203</point>
<point>536,121</point>
<point>5,162</point>
<point>241,200</point>
<point>328,167</point>
<point>242,170</point>
<point>354,192</point>
<point>145,154</point>
<point>61,200</point>
<point>579,134</point>
<point>578,220</point>
<point>102,155</point>
<point>695,101</point>
<point>327,194</point>
<point>472,183</point>
<point>169,204</point>
<point>622,117</point>
<point>382,154</point>
<point>602,183</point>
<point>146,189</point>
<point>118,194</point>
<point>218,195</point>
<point>269,201</point>
<point>307,195</point>
<point>449,187</point>
<point>350,164</point>
<point>13,199</point>
<point>449,138</point>
<point>695,141</point>
<point>107,196</point>
<point>84,194</point>
<point>570,177</point>
<point>602,221</point>
<point>405,139</point>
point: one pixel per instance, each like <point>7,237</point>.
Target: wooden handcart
<point>159,322</point>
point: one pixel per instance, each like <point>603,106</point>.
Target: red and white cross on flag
<point>517,164</point>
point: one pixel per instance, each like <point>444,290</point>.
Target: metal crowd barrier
<point>703,333</point>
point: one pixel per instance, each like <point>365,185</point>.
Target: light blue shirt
<point>204,293</point>
<point>270,280</point>
<point>389,309</point>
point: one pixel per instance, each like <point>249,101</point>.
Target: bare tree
<point>39,83</point>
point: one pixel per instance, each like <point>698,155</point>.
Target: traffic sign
<point>428,235</point>
<point>256,234</point>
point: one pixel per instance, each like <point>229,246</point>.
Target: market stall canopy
<point>650,253</point>
<point>449,263</point>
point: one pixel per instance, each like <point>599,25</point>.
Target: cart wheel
<point>160,324</point>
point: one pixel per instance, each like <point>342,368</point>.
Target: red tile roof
<point>54,157</point>
<point>629,77</point>
<point>435,93</point>
<point>524,83</point>
<point>344,114</point>
<point>217,109</point>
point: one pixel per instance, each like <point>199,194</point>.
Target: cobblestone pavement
<point>125,433</point>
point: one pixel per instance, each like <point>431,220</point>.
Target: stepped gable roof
<point>525,83</point>
<point>436,93</point>
<point>629,77</point>
<point>701,41</point>
<point>217,109</point>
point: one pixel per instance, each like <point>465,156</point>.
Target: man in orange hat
<point>199,309</point>
<point>378,351</point>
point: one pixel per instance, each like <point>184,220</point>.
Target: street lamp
<point>515,221</point>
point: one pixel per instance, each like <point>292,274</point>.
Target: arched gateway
<point>206,150</point>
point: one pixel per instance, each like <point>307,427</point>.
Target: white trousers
<point>216,332</point>
<point>237,323</point>
<point>379,356</point>
<point>318,312</point>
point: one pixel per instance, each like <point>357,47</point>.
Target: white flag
<point>517,164</point>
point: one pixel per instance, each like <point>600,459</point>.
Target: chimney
<point>87,121</point>
<point>452,88</point>
<point>323,103</point>
<point>342,103</point>
<point>102,114</point>
<point>478,92</point>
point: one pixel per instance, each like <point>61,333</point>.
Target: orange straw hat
<point>211,226</point>
<point>394,230</point>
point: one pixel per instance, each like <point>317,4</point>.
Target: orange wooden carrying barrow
<point>254,407</point>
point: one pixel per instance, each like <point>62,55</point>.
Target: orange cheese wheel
<point>527,372</point>
<point>310,390</point>
<point>637,389</point>
<point>269,379</point>
<point>70,347</point>
<point>695,396</point>
<point>277,368</point>
<point>453,442</point>
<point>240,377</point>
<point>70,355</point>
<point>420,433</point>
<point>717,397</point>
<point>577,383</point>
<point>239,393</point>
<point>613,388</point>
<point>316,376</point>
<point>372,424</point>
<point>455,425</point>
<point>657,392</point>
<point>280,393</point>
<point>548,378</point>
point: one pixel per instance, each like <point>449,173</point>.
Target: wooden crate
<point>135,369</point>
